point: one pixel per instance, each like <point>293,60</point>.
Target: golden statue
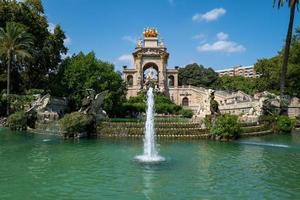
<point>150,32</point>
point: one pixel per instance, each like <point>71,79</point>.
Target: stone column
<point>176,80</point>
<point>139,73</point>
<point>163,74</point>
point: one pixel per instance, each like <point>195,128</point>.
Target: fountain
<point>150,150</point>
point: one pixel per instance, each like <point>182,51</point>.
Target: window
<point>185,101</point>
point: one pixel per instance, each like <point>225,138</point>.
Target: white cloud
<point>64,56</point>
<point>210,15</point>
<point>130,39</point>
<point>199,36</point>
<point>222,36</point>
<point>67,41</point>
<point>126,59</point>
<point>51,27</point>
<point>222,45</point>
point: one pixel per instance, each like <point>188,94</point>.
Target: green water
<point>46,167</point>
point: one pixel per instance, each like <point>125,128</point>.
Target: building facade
<point>245,71</point>
<point>150,59</point>
<point>150,66</point>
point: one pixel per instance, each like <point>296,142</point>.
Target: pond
<point>48,167</point>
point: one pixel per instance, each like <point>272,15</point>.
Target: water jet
<point>150,148</point>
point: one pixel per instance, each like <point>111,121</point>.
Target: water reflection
<point>148,175</point>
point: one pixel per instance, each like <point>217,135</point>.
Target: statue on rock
<point>92,104</point>
<point>46,109</point>
<point>214,105</point>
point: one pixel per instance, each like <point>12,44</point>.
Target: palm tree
<point>14,45</point>
<point>292,5</point>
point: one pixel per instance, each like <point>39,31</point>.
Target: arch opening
<point>130,80</point>
<point>150,74</point>
<point>185,101</point>
<point>171,81</point>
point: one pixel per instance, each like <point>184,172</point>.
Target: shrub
<point>76,122</point>
<point>186,113</point>
<point>17,121</point>
<point>20,102</point>
<point>226,126</point>
<point>267,119</point>
<point>207,122</point>
<point>283,124</point>
<point>163,105</point>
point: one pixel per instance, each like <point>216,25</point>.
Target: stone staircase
<point>170,130</point>
<point>163,129</point>
<point>255,130</point>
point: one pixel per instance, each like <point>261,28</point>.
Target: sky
<point>214,33</point>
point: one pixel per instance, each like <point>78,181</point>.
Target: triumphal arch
<point>150,63</point>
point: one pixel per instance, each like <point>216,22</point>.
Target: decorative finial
<point>150,32</point>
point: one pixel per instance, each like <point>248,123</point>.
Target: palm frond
<point>280,3</point>
<point>22,53</point>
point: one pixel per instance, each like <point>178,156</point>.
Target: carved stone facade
<point>150,63</point>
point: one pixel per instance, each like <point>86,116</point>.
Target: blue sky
<point>215,33</point>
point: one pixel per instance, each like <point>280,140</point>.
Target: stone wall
<point>186,130</point>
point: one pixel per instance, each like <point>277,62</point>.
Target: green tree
<point>47,47</point>
<point>292,5</point>
<point>269,70</point>
<point>14,45</point>
<point>235,83</point>
<point>197,75</point>
<point>85,71</point>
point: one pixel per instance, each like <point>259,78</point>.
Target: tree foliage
<point>269,70</point>
<point>197,75</point>
<point>85,71</point>
<point>14,45</point>
<point>269,74</point>
<point>235,83</point>
<point>46,50</point>
<point>163,105</point>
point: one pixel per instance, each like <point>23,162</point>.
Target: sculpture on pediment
<point>150,32</point>
<point>140,43</point>
<point>161,43</point>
